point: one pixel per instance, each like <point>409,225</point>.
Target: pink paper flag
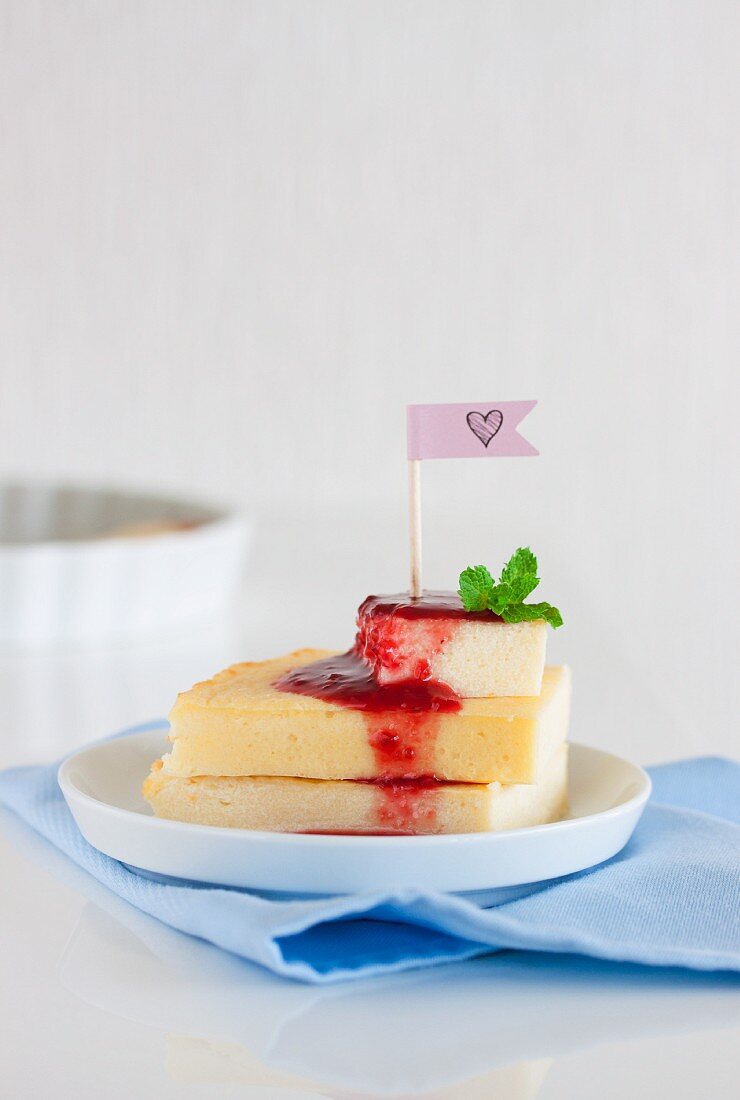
<point>485,429</point>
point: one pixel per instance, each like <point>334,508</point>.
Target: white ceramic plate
<point>102,786</point>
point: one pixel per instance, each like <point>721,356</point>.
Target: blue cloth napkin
<point>670,898</point>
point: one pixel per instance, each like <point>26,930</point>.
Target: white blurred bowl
<point>79,565</point>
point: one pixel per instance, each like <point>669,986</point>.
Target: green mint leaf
<point>500,596</point>
<point>480,592</point>
<point>551,615</point>
<point>520,574</point>
<point>528,612</point>
<point>476,585</point>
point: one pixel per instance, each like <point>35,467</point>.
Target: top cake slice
<point>241,723</point>
<point>432,637</point>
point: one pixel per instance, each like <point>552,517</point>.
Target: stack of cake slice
<point>433,723</point>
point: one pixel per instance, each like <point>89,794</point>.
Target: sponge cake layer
<point>239,724</point>
<point>279,804</point>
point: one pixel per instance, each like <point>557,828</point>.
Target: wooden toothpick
<point>415,526</point>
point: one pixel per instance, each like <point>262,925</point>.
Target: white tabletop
<point>100,1000</point>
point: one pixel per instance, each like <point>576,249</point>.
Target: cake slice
<point>241,724</point>
<point>433,637</point>
<point>289,805</point>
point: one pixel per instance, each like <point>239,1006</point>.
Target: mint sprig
<point>476,586</point>
<point>480,592</point>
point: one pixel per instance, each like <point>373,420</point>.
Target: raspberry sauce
<point>401,708</point>
<point>407,806</point>
<point>432,604</point>
<point>401,637</point>
<point>400,719</point>
<point>347,679</point>
<point>404,807</point>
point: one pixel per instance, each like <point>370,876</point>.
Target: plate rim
<point>438,840</point>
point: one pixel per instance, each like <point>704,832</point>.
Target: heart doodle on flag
<point>485,427</point>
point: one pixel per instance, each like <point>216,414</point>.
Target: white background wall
<point>236,238</point>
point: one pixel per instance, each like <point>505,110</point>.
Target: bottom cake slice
<point>287,805</point>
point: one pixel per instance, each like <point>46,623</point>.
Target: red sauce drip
<point>401,717</point>
<point>408,810</point>
<point>401,636</point>
<point>431,605</point>
<point>405,807</point>
<point>346,679</point>
<point>409,782</point>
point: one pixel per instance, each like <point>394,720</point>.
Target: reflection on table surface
<point>489,1028</point>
